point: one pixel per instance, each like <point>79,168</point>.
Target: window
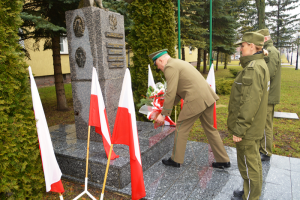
<point>191,50</point>
<point>63,45</point>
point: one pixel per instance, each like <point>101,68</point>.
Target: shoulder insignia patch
<point>251,64</point>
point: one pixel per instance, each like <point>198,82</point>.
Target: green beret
<point>157,54</point>
<point>252,37</point>
<point>264,32</point>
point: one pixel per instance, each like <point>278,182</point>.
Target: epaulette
<point>251,64</point>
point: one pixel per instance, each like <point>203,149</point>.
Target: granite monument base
<point>71,154</point>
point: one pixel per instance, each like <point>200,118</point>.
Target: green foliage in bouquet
<point>21,172</point>
<point>153,30</point>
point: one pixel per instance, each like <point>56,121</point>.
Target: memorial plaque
<point>116,65</point>
<point>80,57</point>
<point>115,51</point>
<point>78,26</point>
<point>115,58</point>
<point>112,45</point>
<point>114,35</point>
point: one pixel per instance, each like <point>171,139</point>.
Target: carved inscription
<point>80,57</point>
<point>115,58</point>
<point>114,35</point>
<point>112,45</point>
<point>116,65</point>
<point>113,22</point>
<point>78,26</point>
<point>115,51</point>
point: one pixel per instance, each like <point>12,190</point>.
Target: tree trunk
<point>199,59</point>
<point>260,5</point>
<point>59,84</point>
<point>217,59</point>
<point>278,21</point>
<point>204,61</point>
<point>226,60</point>
<point>183,53</point>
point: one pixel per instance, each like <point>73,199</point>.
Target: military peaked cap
<point>157,54</point>
<point>264,32</point>
<point>252,37</point>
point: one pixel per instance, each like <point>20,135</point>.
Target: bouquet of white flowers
<point>153,103</point>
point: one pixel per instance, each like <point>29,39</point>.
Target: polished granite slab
<point>71,153</point>
<point>196,179</point>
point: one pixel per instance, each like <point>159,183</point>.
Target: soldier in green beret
<point>247,112</point>
<point>273,61</point>
<point>185,82</point>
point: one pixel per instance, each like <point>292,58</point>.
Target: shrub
<point>21,172</point>
<point>223,86</point>
<point>234,72</point>
<point>153,30</point>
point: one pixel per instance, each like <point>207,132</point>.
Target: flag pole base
<point>85,192</point>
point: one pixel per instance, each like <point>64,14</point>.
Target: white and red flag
<point>51,168</point>
<point>98,116</point>
<point>125,132</point>
<point>212,82</point>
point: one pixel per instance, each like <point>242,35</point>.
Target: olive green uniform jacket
<point>247,108</point>
<point>273,61</point>
<point>185,82</point>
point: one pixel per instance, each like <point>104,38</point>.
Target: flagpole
<point>210,34</point>
<point>60,196</point>
<point>106,172</point>
<point>86,169</point>
<point>179,45</point>
<point>175,114</point>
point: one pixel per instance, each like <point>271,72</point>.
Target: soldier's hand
<point>236,139</point>
<point>160,119</point>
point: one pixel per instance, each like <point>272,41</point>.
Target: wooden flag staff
<point>86,170</point>
<point>106,172</point>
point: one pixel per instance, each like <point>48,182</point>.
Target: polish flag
<point>98,117</point>
<point>51,168</point>
<point>212,82</point>
<point>125,132</point>
<point>150,78</point>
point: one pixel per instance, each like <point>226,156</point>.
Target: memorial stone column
<point>96,38</point>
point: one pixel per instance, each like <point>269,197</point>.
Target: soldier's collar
<point>246,59</point>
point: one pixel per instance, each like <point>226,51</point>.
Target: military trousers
<point>266,142</point>
<point>182,132</point>
<point>250,168</point>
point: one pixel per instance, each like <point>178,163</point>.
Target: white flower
<point>159,85</point>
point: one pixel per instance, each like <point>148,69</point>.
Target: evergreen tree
<point>190,20</point>
<point>281,23</point>
<point>247,13</point>
<point>45,19</point>
<point>224,26</point>
<point>260,5</point>
<point>153,30</point>
<point>21,172</point>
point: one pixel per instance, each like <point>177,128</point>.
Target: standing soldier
<point>185,82</point>
<point>273,61</point>
<point>247,112</point>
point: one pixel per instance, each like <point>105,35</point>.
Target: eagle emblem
<point>113,22</point>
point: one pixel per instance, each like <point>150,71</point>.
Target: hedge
<point>21,172</point>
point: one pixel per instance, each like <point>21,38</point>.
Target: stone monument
<point>96,38</point>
